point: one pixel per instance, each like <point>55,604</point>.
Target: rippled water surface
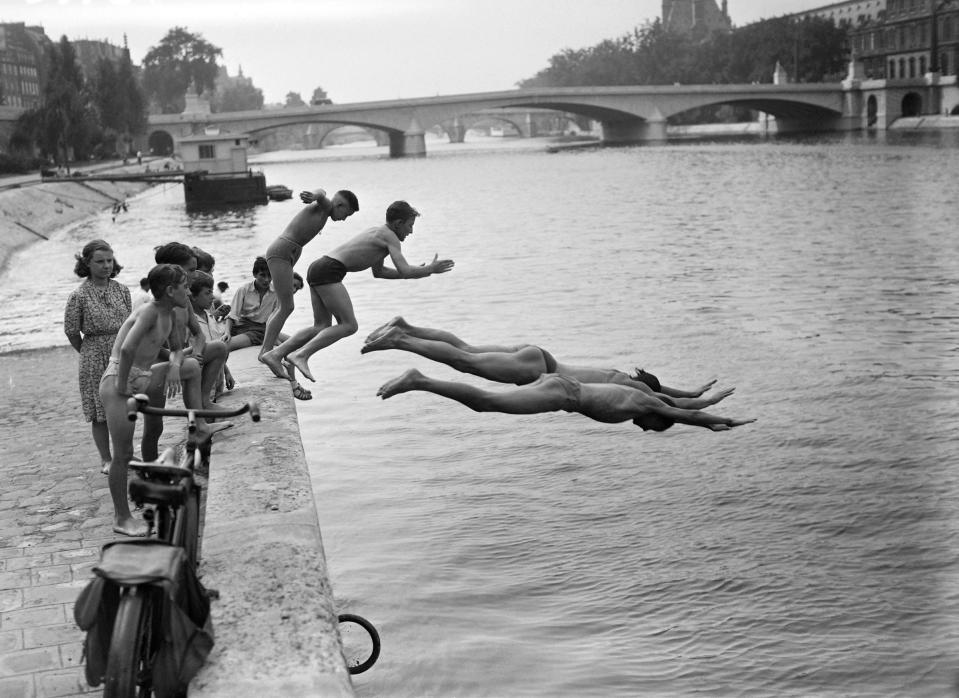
<point>811,553</point>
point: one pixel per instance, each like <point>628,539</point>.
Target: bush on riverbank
<point>18,164</point>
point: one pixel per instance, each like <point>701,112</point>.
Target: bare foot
<point>385,340</point>
<point>402,384</point>
<point>398,321</point>
<point>131,527</point>
<point>105,467</point>
<point>301,366</point>
<point>290,371</point>
<point>274,365</point>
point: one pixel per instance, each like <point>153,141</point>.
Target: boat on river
<point>279,192</point>
<point>216,173</point>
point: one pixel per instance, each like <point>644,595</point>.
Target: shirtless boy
<point>368,250</point>
<point>285,251</point>
<point>134,368</point>
<point>604,402</point>
<point>184,322</point>
<point>522,364</point>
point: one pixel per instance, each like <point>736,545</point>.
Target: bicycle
<point>151,573</point>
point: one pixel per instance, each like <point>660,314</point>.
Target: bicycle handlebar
<point>141,403</point>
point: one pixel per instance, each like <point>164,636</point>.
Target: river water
<point>812,553</point>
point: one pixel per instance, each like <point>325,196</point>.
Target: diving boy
<point>368,250</point>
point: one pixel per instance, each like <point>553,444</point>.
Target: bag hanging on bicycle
<point>184,634</point>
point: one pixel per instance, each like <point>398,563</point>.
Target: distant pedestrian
<point>94,313</point>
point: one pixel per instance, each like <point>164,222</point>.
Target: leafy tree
<point>293,99</point>
<point>243,96</point>
<point>181,61</point>
<point>812,49</point>
<point>119,101</point>
<point>320,97</point>
<point>64,120</point>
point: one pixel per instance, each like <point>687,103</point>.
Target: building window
<point>912,66</point>
<point>207,152</point>
<point>922,65</point>
<point>892,70</point>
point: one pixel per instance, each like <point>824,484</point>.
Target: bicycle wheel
<point>128,658</point>
<point>188,527</point>
<point>360,640</point>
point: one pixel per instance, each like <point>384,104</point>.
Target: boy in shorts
<point>134,368</point>
<point>285,251</point>
<point>331,300</point>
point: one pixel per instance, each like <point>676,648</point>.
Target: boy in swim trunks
<point>521,364</point>
<point>368,250</point>
<point>134,367</point>
<point>285,251</point>
<point>604,402</point>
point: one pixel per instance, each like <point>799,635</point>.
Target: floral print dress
<point>94,316</point>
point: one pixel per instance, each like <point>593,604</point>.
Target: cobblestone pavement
<point>55,514</point>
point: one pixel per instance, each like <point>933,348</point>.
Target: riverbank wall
<point>31,210</point>
<point>275,619</point>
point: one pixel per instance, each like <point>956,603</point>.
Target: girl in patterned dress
<point>94,313</point>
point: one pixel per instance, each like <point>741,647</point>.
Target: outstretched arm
<point>677,392</point>
<point>698,403</point>
<point>405,270</point>
<point>698,418</point>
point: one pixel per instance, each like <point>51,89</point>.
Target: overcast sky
<point>366,50</point>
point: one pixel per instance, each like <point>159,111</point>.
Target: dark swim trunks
<point>548,360</point>
<point>325,270</point>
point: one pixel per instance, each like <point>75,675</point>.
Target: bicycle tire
<point>129,646</point>
<point>189,527</point>
<point>374,637</point>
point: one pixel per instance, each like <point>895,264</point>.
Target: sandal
<point>301,393</point>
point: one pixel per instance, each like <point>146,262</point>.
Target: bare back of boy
<point>368,249</point>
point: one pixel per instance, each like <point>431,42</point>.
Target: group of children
<point>175,342</point>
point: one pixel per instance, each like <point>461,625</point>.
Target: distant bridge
<point>627,114</point>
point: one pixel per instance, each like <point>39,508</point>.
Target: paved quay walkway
<point>55,514</point>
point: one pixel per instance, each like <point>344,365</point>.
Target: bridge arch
<point>911,104</point>
<point>160,143</point>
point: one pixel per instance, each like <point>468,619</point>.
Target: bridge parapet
<point>626,113</point>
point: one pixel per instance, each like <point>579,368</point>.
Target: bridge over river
<point>627,114</point>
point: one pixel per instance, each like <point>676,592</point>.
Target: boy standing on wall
<point>134,368</point>
<point>368,250</point>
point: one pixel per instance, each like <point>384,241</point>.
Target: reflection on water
<point>812,553</point>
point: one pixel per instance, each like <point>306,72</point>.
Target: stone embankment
<point>31,210</point>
